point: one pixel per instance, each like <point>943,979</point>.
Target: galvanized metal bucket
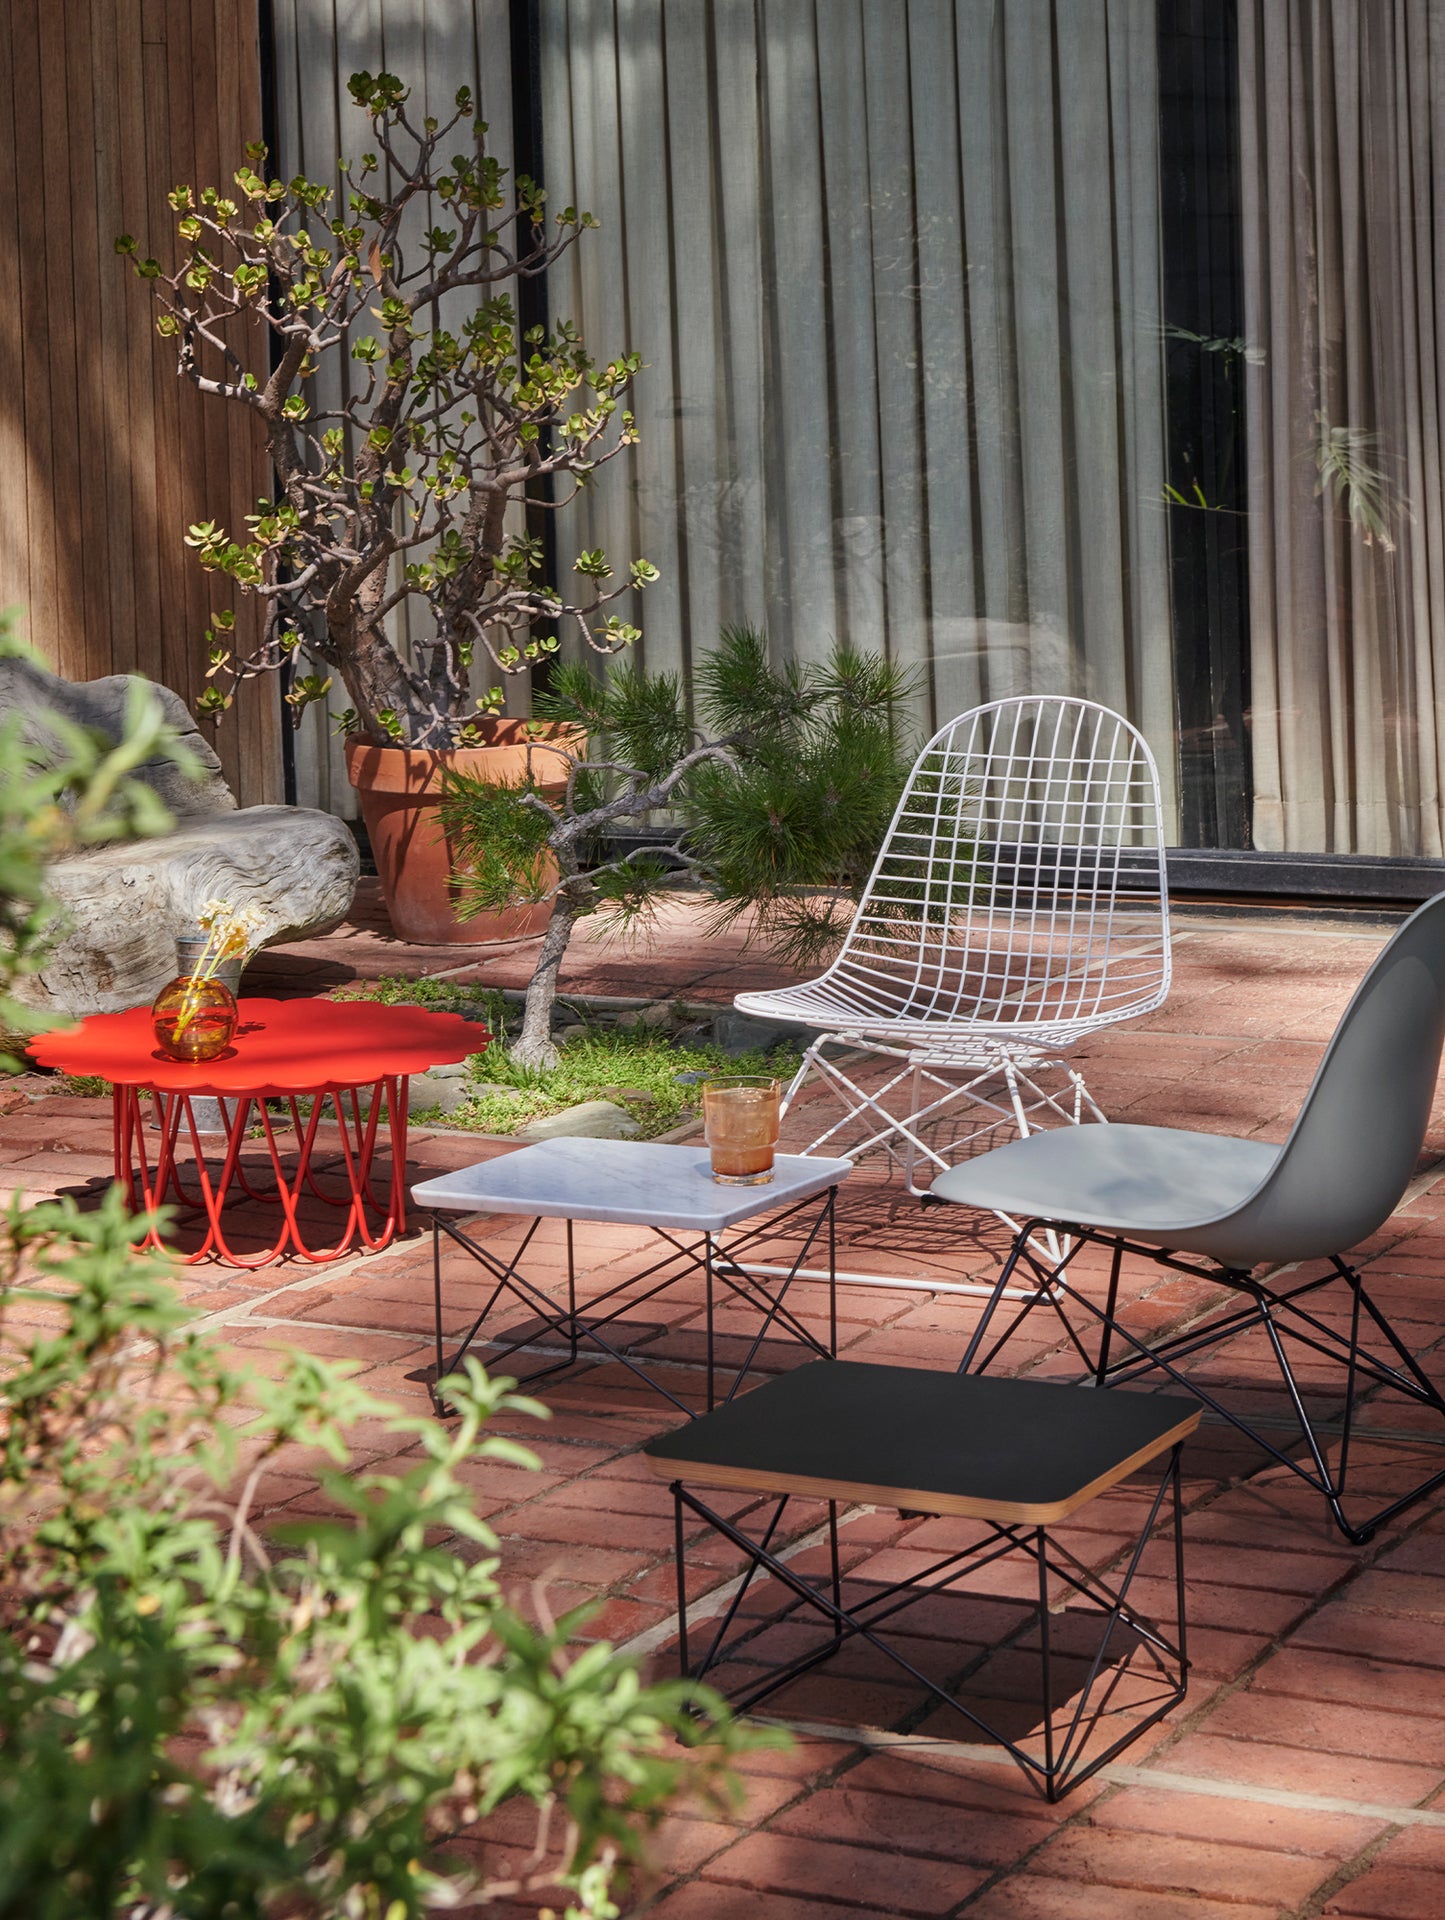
<point>190,947</point>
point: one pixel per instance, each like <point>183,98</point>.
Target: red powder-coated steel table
<point>354,1056</point>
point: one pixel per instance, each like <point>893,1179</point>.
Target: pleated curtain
<point>1343,175</point>
<point>893,267</point>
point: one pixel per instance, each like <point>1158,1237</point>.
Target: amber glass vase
<point>194,1019</point>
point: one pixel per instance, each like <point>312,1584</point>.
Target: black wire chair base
<point>1286,1321</point>
<point>1062,1758</point>
<point>725,1272</point>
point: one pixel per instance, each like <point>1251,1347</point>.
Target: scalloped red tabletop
<point>281,1047</point>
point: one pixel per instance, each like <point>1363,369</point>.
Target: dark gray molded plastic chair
<point>1236,1204</point>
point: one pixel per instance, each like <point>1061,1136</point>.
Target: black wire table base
<point>726,1276</point>
<point>1062,1758</point>
<point>1286,1322</point>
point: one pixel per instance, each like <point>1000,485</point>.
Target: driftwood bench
<point>125,905</point>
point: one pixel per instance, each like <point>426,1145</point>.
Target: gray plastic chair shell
<point>1339,1175</point>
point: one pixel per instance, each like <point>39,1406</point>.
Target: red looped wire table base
<point>149,1166</point>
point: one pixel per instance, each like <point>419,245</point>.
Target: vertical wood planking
<point>238,123</point>
<point>86,273</point>
<point>138,374</point>
<point>167,136</point>
<point>106,459</point>
<point>59,335</point>
<point>110,392</point>
<point>14,539</point>
<point>34,423</point>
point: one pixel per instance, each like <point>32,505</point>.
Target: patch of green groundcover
<point>442,996</point>
<point>617,1058</point>
<point>637,1070</point>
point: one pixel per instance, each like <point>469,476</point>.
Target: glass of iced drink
<point>740,1114</point>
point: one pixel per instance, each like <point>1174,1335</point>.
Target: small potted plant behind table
<point>418,490</point>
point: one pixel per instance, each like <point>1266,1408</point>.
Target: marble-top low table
<point>706,1228</point>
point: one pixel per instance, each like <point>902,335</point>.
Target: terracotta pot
<point>400,792</point>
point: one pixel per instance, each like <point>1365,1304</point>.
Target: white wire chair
<point>1019,903</point>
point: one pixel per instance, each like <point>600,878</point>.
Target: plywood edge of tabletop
<point>918,1500</point>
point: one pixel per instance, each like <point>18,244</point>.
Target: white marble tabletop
<point>625,1182</point>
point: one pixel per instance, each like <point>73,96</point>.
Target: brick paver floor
<point>1305,1773</point>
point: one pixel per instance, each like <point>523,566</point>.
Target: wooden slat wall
<point>105,458</point>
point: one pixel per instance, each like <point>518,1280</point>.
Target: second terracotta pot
<point>400,790</point>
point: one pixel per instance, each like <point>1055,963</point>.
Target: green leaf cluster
<point>204,1718</point>
<point>504,836</point>
<point>1345,459</point>
<point>633,719</point>
<point>498,832</point>
<point>64,787</point>
<point>788,829</point>
<point>782,817</point>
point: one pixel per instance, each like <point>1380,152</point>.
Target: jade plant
<point>419,488</point>
<point>782,798</point>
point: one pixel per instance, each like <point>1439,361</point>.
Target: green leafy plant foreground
<point>205,1719</point>
<point>202,1718</point>
<point>61,788</point>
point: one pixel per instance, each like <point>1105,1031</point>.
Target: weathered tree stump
<point>125,905</point>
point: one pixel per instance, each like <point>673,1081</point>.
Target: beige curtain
<point>893,267</point>
<point>1343,169</point>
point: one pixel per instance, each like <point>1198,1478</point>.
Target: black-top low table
<point>1018,1455</point>
<point>706,1227</point>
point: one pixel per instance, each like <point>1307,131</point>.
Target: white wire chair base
<point>899,1130</point>
<point>1003,1083</point>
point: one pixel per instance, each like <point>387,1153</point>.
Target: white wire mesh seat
<point>1018,904</point>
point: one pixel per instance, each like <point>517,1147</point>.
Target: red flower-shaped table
<point>324,1051</point>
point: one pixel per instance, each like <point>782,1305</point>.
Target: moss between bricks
<point>630,1052</point>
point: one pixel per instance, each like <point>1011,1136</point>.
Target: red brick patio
<point>1304,1775</point>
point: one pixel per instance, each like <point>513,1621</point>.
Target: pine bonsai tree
<point>783,796</point>
<point>788,828</point>
<point>539,840</point>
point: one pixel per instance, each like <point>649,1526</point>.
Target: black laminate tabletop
<point>1029,1451</point>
